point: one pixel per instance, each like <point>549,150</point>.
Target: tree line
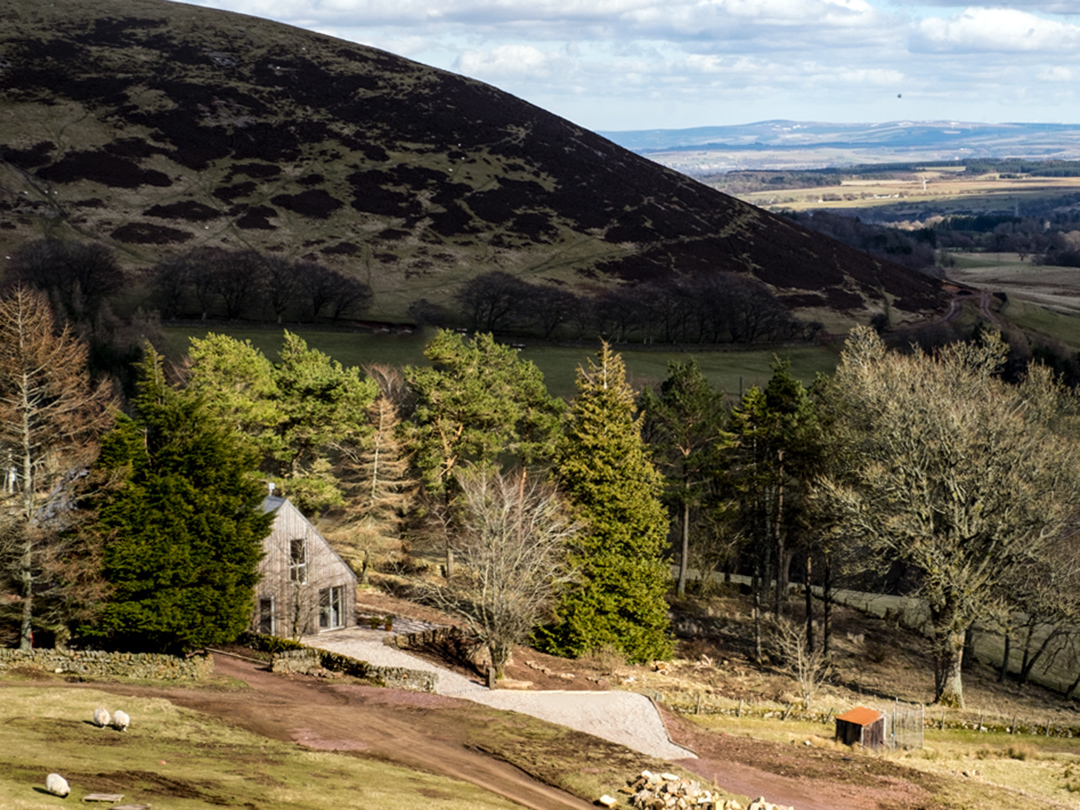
<point>136,525</point>
<point>722,308</point>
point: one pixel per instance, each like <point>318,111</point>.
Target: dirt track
<point>424,732</point>
<point>383,723</point>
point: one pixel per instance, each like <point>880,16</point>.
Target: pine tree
<point>478,402</point>
<point>603,467</point>
<point>778,443</point>
<point>183,529</point>
<point>684,423</point>
<point>300,414</point>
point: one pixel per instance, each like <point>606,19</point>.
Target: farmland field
<point>943,190</point>
<point>732,371</point>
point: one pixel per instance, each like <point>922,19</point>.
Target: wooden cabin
<point>863,726</point>
<point>305,587</point>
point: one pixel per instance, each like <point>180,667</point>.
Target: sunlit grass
<point>180,759</point>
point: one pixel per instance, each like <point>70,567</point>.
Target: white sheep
<point>101,717</point>
<point>120,720</point>
<point>57,785</point>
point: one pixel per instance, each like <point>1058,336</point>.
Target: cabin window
<point>330,607</point>
<point>266,615</point>
<point>298,561</point>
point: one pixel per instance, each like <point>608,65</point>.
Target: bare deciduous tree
<point>50,416</point>
<point>491,300</point>
<point>954,473</point>
<point>809,665</point>
<point>375,474</point>
<point>511,546</point>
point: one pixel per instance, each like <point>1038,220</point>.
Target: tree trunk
<point>766,574</point>
<point>1027,645</point>
<point>26,575</point>
<point>1004,670</point>
<point>684,558</point>
<point>756,588</point>
<point>809,605</point>
<point>26,560</point>
<point>499,650</point>
<point>948,665</point>
<point>826,599</point>
<point>449,564</point>
<point>969,646</point>
<point>778,530</point>
<point>1029,660</point>
<point>1072,687</point>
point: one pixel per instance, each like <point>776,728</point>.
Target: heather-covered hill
<point>155,128</point>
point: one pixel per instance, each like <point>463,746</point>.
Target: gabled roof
<point>272,503</point>
<point>861,716</point>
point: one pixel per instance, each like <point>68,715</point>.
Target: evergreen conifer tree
<point>684,424</point>
<point>182,530</point>
<point>617,599</point>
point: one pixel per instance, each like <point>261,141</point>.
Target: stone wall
<point>311,662</point>
<point>423,638</point>
<point>98,664</point>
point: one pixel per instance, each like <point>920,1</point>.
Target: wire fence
<point>904,724</point>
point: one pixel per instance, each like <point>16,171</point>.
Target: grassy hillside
<point>156,128</point>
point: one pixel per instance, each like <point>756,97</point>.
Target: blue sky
<point>671,64</point>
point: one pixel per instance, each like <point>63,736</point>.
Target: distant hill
<point>812,144</point>
<point>156,128</point>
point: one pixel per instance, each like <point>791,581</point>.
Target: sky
<point>611,65</point>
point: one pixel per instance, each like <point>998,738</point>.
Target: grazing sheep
<point>120,720</point>
<point>57,785</point>
<point>101,717</point>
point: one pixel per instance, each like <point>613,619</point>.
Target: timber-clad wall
<point>296,606</point>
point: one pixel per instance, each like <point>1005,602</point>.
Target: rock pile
<point>651,791</point>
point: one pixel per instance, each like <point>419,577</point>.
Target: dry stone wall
<point>99,664</point>
<point>320,662</point>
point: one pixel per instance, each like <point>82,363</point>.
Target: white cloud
<point>607,63</point>
<point>1062,7</point>
<point>1057,73</point>
<point>509,60</point>
<point>1002,30</point>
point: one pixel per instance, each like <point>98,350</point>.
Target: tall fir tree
<point>684,424</point>
<point>183,531</point>
<point>617,599</point>
<point>778,445</point>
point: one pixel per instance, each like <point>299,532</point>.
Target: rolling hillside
<point>155,128</point>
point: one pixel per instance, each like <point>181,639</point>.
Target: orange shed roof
<point>860,716</point>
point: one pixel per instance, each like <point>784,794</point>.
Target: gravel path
<point>626,718</point>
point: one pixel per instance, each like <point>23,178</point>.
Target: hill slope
<point>156,127</point>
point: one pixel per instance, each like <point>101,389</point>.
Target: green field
<point>732,371</point>
<point>185,760</point>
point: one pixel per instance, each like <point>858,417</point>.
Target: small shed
<point>863,726</point>
<point>305,587</point>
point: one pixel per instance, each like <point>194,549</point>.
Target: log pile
<point>666,791</point>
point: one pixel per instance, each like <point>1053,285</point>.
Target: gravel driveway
<point>626,718</point>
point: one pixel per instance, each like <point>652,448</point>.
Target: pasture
<point>732,371</point>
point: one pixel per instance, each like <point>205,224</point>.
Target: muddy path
<point>431,733</point>
<point>393,726</point>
